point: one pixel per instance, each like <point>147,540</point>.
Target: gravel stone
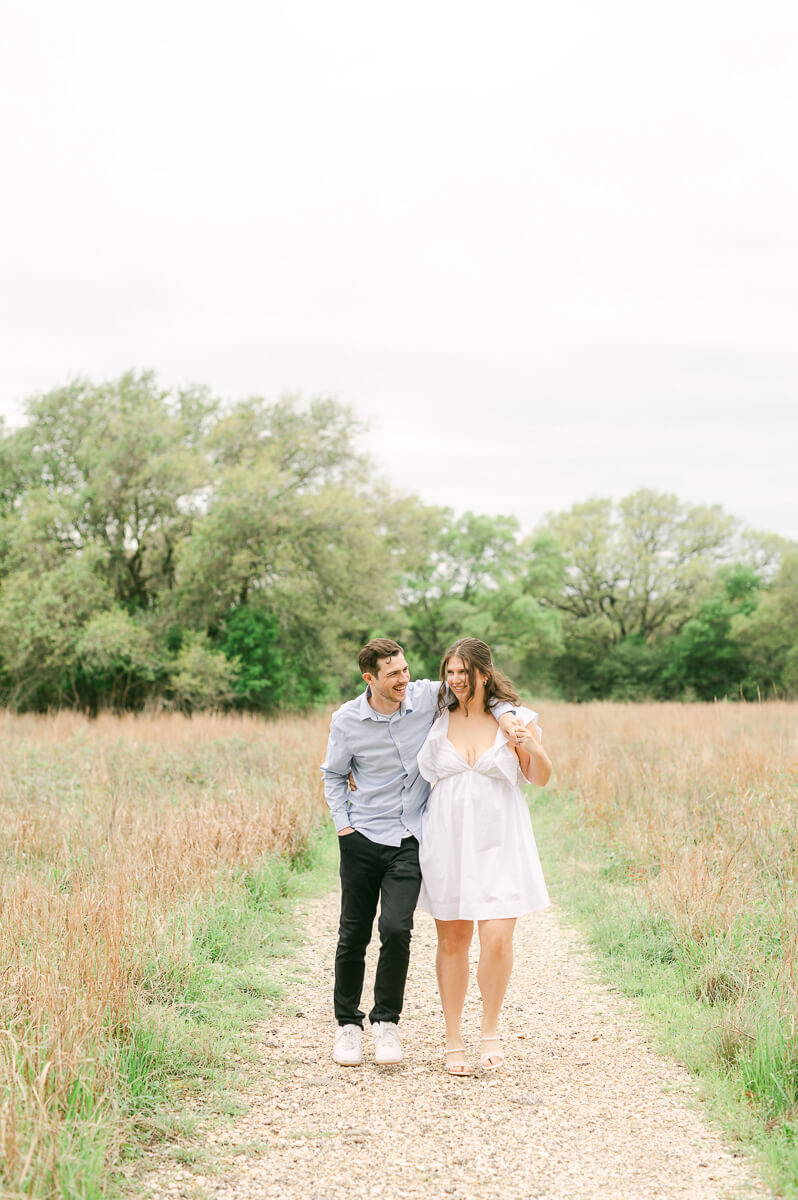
<point>583,1110</point>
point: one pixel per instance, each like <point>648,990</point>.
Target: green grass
<point>210,980</point>
<point>715,1004</point>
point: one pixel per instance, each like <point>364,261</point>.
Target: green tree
<point>632,574</point>
<point>201,677</point>
<point>252,641</point>
<point>629,670</point>
<point>180,514</point>
<point>291,530</point>
<point>703,660</point>
<point>641,565</point>
<point>157,544</point>
<point>114,466</point>
<point>43,617</point>
<point>470,577</point>
<point>767,637</point>
<point>119,660</point>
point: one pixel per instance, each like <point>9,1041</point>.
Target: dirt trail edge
<point>584,1107</point>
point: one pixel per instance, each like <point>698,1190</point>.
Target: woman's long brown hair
<point>476,656</point>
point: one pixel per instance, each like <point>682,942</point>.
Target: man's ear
<point>368,677</point>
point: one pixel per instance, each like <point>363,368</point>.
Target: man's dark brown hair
<point>374,650</point>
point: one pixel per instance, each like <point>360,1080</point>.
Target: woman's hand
<point>527,738</point>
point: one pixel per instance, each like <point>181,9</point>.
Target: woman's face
<point>457,678</point>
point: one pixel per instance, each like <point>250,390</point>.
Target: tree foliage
<point>637,567</point>
<point>469,574</point>
<point>165,547</point>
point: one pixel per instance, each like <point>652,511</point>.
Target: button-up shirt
<point>381,752</point>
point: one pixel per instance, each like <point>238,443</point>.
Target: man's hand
<point>344,832</point>
<point>509,726</point>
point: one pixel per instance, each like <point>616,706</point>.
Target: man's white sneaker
<point>387,1047</point>
<point>348,1050</point>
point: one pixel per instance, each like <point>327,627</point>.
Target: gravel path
<point>583,1109</point>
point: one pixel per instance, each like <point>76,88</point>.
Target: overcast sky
<point>548,251</point>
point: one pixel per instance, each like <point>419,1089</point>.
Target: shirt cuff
<point>341,821</point>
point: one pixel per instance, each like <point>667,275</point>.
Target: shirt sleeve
<point>426,691</point>
<point>530,717</point>
<point>500,707</point>
<point>335,772</point>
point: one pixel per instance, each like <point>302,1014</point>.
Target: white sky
<point>547,251</point>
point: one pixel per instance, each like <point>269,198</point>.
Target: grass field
<point>149,863</point>
<point>145,867</point>
<point>671,833</point>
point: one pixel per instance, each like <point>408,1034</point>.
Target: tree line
<point>163,547</point>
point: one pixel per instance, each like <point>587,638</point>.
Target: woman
<point>478,856</point>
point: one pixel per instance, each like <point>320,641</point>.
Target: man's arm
<point>509,722</point>
<point>535,762</point>
<point>335,771</point>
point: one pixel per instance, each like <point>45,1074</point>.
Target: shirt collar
<point>367,713</point>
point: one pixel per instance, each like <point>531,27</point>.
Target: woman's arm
<point>534,760</point>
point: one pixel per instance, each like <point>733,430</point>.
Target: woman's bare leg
<point>493,975</point>
<point>451,966</point>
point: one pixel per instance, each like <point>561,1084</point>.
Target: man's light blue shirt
<point>381,752</point>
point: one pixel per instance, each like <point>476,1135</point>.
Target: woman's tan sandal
<point>492,1060</point>
<point>458,1069</point>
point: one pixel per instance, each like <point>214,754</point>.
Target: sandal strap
<point>455,1050</point>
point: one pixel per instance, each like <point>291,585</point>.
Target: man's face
<point>391,678</point>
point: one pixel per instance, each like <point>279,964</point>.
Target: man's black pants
<point>372,872</point>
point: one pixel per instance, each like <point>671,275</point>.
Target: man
<point>374,741</point>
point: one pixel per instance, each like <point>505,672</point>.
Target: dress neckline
<point>460,755</point>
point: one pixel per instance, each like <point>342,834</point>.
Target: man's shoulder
<point>348,710</point>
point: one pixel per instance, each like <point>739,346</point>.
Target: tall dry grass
<point>693,810</point>
<point>106,827</point>
<point>702,797</point>
<point>110,828</point>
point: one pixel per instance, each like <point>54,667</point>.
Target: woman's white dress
<point>477,849</point>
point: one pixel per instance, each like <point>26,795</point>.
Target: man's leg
<point>401,882</point>
<point>361,870</point>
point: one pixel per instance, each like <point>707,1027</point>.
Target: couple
<point>464,853</point>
